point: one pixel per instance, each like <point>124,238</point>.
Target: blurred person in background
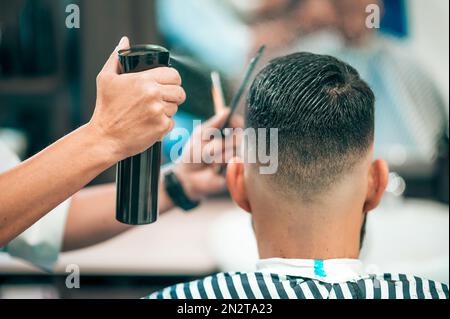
<point>410,109</point>
<point>223,34</point>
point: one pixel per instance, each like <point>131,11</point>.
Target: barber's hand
<point>135,110</point>
<point>202,179</point>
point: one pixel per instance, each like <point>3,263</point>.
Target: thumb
<point>112,64</point>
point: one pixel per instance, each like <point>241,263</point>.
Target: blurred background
<point>47,89</point>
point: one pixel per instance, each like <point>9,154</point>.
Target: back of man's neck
<point>306,235</point>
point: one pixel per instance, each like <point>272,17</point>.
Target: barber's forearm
<point>91,218</point>
<point>36,186</point>
<point>92,212</point>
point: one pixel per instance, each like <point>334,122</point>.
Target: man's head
<point>326,178</point>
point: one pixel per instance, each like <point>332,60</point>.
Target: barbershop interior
<point>52,50</point>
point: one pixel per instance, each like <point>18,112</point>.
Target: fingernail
<point>119,45</point>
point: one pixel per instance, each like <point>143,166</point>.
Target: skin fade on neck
<point>318,229</point>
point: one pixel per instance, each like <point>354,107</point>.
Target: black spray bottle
<point>138,176</point>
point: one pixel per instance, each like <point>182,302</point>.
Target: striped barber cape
<point>306,279</point>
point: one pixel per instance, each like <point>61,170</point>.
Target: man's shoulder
<point>223,285</point>
<point>410,286</point>
<point>261,285</point>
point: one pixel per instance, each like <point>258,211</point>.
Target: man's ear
<point>236,183</point>
<point>378,179</point>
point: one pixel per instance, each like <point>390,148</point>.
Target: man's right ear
<point>236,183</point>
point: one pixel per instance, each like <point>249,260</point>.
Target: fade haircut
<point>324,113</point>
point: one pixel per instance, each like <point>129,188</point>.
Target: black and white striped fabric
<point>259,285</point>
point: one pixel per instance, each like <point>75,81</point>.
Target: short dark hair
<point>324,113</point>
